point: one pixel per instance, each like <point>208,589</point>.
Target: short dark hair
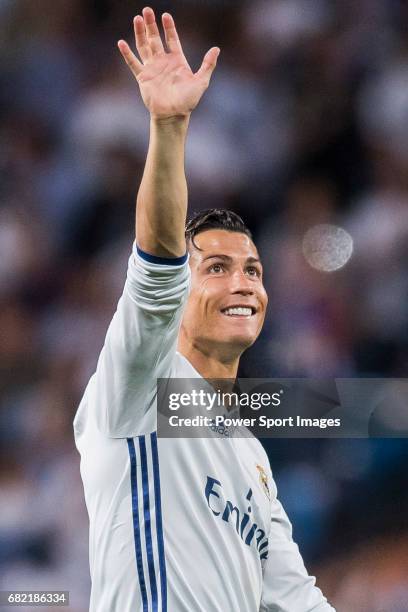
<point>215,218</point>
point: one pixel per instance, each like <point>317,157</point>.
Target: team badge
<point>263,479</point>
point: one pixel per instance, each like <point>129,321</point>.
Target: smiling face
<point>227,303</point>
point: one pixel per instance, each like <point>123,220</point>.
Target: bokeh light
<point>327,247</point>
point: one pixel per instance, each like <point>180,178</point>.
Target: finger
<point>129,57</point>
<point>142,45</point>
<point>152,31</point>
<point>170,33</point>
<point>207,67</point>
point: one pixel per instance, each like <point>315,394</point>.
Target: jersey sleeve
<point>287,587</point>
<point>140,344</point>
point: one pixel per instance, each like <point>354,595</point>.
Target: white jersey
<point>177,525</point>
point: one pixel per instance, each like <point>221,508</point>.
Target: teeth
<point>246,312</point>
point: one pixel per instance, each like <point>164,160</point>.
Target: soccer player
<point>180,525</point>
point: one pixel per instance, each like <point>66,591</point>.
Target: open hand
<point>167,84</point>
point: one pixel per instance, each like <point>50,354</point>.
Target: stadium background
<point>306,122</point>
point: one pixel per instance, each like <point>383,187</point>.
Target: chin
<point>241,341</point>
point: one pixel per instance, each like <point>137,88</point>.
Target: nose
<point>241,284</point>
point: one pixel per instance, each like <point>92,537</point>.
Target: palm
<point>167,84</point>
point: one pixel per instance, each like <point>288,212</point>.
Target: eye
<point>216,268</point>
<point>253,271</point>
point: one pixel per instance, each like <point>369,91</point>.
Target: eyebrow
<point>228,259</point>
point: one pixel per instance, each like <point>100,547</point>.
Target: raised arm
<point>141,341</point>
<point>170,91</point>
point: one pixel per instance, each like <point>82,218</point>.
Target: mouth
<point>239,312</point>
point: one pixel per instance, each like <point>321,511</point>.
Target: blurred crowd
<point>305,123</point>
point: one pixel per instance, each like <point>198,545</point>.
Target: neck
<point>210,362</point>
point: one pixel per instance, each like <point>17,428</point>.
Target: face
<point>226,306</point>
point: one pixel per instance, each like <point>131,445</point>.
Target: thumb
<point>208,64</point>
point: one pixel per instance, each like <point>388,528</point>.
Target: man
<point>184,525</point>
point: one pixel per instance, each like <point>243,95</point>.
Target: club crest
<point>263,479</point>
